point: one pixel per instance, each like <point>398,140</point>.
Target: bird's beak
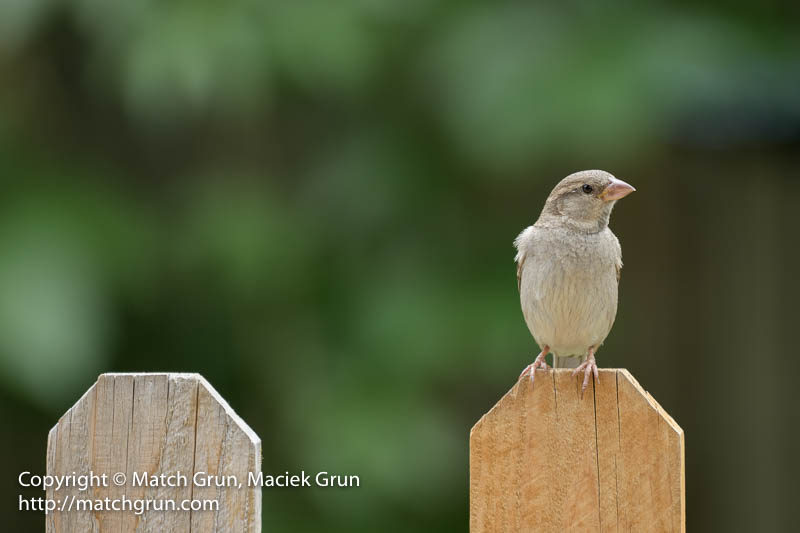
<point>616,189</point>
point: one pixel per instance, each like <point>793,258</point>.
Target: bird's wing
<point>521,243</point>
<point>618,262</point>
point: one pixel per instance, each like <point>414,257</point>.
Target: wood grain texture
<point>155,423</point>
<point>542,459</point>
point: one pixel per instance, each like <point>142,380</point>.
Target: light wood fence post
<point>131,424</point>
<point>542,459</point>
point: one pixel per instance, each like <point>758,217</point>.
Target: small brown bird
<point>568,269</point>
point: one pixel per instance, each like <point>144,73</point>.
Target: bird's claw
<point>588,368</point>
<point>538,363</point>
<point>534,366</point>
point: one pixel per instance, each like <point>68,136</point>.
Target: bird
<point>568,270</point>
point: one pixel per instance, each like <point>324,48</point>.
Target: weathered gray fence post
<point>159,444</point>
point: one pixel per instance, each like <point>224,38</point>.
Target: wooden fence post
<point>171,424</point>
<point>542,459</point>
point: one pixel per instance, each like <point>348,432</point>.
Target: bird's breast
<point>569,296</point>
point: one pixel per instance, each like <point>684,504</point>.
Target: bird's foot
<point>538,363</point>
<point>588,368</point>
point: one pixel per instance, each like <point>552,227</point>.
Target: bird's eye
<point>587,188</point>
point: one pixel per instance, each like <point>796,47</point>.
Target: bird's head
<point>584,200</point>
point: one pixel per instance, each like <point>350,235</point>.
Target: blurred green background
<point>312,204</point>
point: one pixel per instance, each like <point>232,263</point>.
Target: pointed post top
<point>155,440</point>
<point>542,459</point>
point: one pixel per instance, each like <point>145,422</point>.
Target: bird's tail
<point>568,362</point>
